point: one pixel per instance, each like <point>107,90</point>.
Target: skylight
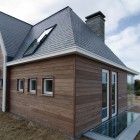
<point>37,42</point>
<point>45,33</point>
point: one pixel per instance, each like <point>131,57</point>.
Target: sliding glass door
<point>114,93</point>
<point>105,95</point>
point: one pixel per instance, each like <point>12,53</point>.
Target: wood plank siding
<point>77,102</point>
<point>55,112</point>
<point>1,75</point>
<point>89,93</point>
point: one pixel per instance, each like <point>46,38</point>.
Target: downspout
<point>4,73</point>
<point>4,84</point>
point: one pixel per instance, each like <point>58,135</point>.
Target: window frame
<point>45,93</point>
<point>18,85</point>
<point>29,86</point>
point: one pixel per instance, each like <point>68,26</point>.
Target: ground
<point>15,128</point>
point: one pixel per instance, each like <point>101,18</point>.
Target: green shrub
<point>137,93</point>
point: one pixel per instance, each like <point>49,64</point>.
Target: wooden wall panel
<point>1,75</point>
<point>89,93</point>
<point>56,112</point>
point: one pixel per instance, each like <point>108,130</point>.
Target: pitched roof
<point>69,34</point>
<point>60,38</point>
<point>87,39</point>
<point>13,32</point>
<point>70,31</point>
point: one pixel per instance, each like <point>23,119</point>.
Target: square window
<point>48,86</point>
<point>20,85</point>
<point>1,83</point>
<point>32,85</point>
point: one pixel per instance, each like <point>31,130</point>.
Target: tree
<point>137,87</point>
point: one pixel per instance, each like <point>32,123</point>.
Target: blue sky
<point>122,20</point>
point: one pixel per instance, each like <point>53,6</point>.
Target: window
<point>44,34</point>
<point>20,85</point>
<point>48,86</point>
<point>130,91</point>
<point>105,95</point>
<point>114,93</point>
<point>37,42</point>
<point>1,83</point>
<point>32,85</point>
<point>32,48</point>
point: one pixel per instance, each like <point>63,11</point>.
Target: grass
<point>15,128</point>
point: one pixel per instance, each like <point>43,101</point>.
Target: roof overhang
<point>72,50</point>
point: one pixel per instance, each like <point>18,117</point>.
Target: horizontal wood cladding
<point>1,75</point>
<point>89,93</point>
<point>56,112</point>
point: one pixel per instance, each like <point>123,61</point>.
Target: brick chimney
<point>96,22</point>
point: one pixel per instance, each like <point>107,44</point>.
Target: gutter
<point>4,73</point>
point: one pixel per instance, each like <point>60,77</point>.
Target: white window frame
<point>114,73</point>
<point>44,87</point>
<point>19,84</point>
<point>107,71</point>
<point>30,86</point>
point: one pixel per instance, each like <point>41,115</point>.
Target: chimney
<point>96,23</point>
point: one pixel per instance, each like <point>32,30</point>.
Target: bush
<point>137,93</point>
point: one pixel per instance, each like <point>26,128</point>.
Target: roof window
<point>37,42</point>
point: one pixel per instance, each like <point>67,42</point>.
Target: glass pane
<point>130,90</point>
<point>113,109</point>
<point>104,95</point>
<point>48,86</point>
<point>113,93</point>
<point>33,85</point>
<point>104,112</point>
<point>116,125</point>
<point>21,84</point>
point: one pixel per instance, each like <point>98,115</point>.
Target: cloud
<point>33,11</point>
<point>28,10</point>
<point>126,45</point>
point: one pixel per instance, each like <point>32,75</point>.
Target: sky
<point>122,25</point>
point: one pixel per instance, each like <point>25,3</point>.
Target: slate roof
<point>13,32</point>
<point>70,31</point>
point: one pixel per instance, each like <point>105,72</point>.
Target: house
<point>59,72</point>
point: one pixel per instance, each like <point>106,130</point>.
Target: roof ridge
<point>52,15</point>
<point>70,14</point>
<point>16,18</point>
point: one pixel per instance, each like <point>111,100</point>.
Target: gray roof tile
<point>13,32</point>
<point>87,39</point>
<point>70,31</point>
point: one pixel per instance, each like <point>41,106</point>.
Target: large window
<point>32,86</point>
<point>105,95</point>
<point>48,86</point>
<point>20,84</point>
<point>114,93</point>
<point>130,90</point>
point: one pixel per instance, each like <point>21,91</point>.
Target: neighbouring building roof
<point>70,33</point>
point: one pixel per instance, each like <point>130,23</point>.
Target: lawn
<point>15,128</point>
